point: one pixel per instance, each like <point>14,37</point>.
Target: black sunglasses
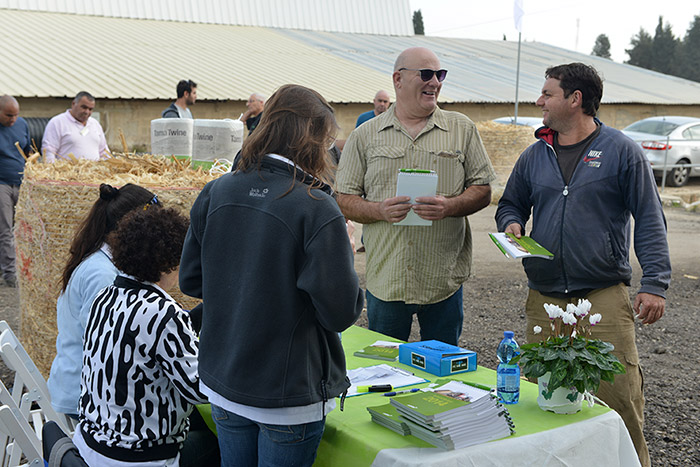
<point>426,74</point>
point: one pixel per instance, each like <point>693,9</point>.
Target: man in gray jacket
<point>582,181</point>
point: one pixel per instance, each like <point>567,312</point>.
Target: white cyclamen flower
<point>571,308</point>
<point>595,319</point>
<point>568,318</point>
<point>537,329</point>
<point>553,311</point>
<point>584,306</point>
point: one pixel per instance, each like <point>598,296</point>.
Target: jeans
<point>246,443</point>
<point>441,321</point>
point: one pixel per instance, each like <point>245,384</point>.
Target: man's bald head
<point>416,98</point>
<point>410,56</point>
<point>381,102</point>
<point>9,110</point>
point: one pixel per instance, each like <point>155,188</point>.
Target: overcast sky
<point>569,24</point>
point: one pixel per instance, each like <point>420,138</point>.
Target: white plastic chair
<point>29,385</point>
<point>17,439</point>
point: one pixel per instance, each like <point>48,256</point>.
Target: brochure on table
<point>380,350</point>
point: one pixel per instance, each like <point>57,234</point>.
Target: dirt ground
<point>494,300</point>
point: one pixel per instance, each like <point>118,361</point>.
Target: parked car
<point>534,122</point>
<point>679,136</point>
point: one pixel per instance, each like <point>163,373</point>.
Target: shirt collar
<point>106,250</point>
<point>74,120</point>
<point>135,283</point>
<point>389,119</point>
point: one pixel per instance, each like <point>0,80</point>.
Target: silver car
<point>675,140</point>
<point>534,122</point>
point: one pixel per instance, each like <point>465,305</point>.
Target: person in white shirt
<point>75,132</point>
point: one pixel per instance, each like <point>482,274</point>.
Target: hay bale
<point>53,199</point>
<point>504,144</point>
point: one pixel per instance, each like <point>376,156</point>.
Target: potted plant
<point>568,363</point>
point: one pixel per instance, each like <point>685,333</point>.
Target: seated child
<point>139,377</point>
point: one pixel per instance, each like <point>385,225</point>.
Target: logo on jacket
<point>258,193</point>
<point>592,159</point>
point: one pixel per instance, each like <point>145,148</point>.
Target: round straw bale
<point>53,200</point>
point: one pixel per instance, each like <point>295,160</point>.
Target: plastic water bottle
<point>508,374</point>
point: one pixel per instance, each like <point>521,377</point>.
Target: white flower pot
<point>559,403</point>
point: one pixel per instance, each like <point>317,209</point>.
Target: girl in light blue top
<point>89,270</point>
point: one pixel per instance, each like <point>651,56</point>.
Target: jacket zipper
<point>565,194</point>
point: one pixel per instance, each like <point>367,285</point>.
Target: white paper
<point>381,374</point>
<point>415,185</point>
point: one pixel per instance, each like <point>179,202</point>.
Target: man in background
<point>75,132</point>
<point>381,103</point>
<point>582,181</point>
<point>415,269</point>
<point>14,137</point>
<point>186,96</point>
<point>252,116</point>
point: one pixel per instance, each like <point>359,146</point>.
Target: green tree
<point>664,48</point>
<point>601,48</point>
<point>418,23</point>
<point>688,58</point>
<point>640,53</point>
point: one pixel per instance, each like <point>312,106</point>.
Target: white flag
<point>518,13</point>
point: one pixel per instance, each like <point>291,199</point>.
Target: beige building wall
<point>133,116</point>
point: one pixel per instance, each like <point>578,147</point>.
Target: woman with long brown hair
<point>268,252</point>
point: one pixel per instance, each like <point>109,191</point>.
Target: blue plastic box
<point>437,357</point>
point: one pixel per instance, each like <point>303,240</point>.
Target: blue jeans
<point>246,443</point>
<point>441,321</point>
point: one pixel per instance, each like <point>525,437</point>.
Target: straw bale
<point>53,200</point>
<point>504,144</point>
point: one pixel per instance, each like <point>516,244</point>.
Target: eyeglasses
<point>426,74</point>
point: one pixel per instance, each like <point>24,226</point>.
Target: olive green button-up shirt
<point>415,264</point>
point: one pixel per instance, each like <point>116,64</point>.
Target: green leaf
<point>576,372</point>
<point>618,367</point>
<point>537,369</point>
<point>608,376</point>
<point>550,354</point>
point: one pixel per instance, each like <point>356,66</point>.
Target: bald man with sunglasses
<point>415,269</point>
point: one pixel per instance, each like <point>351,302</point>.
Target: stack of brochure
<point>454,415</point>
<point>380,350</point>
<point>387,416</point>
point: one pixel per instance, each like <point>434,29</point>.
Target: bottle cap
<point>508,334</point>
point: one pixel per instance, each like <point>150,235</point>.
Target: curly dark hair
<point>148,242</point>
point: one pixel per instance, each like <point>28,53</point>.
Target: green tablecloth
<point>351,439</point>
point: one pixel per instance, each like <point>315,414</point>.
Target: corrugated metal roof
<point>62,54</point>
<point>484,71</point>
<point>56,55</point>
<point>357,16</point>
